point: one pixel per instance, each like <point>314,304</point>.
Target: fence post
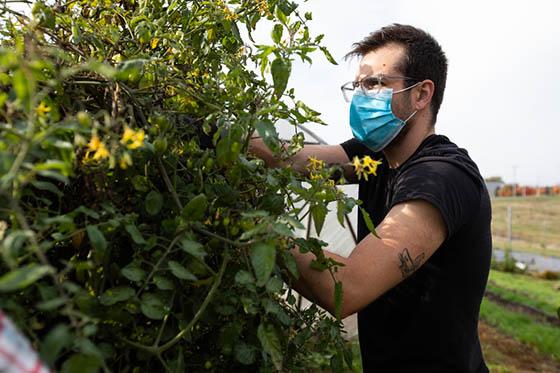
<point>509,226</point>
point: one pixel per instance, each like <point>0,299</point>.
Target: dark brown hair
<point>424,58</point>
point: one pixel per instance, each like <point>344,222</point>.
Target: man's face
<point>386,60</point>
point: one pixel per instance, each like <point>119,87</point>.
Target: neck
<point>406,143</point>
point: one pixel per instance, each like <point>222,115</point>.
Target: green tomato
<point>234,230</point>
<point>160,145</point>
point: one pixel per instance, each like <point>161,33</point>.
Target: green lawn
<point>528,290</point>
<point>545,338</point>
<point>535,292</point>
<point>535,222</point>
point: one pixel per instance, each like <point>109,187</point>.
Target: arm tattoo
<point>409,265</point>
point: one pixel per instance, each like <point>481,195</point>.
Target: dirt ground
<point>505,354</point>
<point>502,353</point>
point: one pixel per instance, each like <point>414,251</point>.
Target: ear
<point>423,94</point>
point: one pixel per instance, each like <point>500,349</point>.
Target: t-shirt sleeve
<point>444,185</point>
<point>355,148</point>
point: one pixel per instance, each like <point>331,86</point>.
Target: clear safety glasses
<point>371,85</point>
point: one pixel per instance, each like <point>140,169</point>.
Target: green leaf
<point>243,277</point>
<point>135,234</point>
<point>263,258</point>
<point>194,248</point>
<point>116,295</point>
<point>229,336</point>
<point>80,363</point>
<point>348,356</point>
<point>163,283</point>
<point>337,364</point>
<point>51,304</point>
<point>96,238</point>
<point>270,342</point>
<point>338,298</point>
<point>244,353</point>
<point>86,211</point>
<point>196,208</point>
<point>319,213</point>
<point>274,285</point>
<point>369,223</point>
<point>152,306</point>
<point>180,272</point>
<point>281,16</point>
<point>133,272</point>
<point>140,183</point>
<point>55,341</point>
<point>282,229</point>
<point>267,131</point>
<point>45,185</point>
<point>290,263</point>
<point>154,202</point>
<point>328,55</point>
<point>340,212</point>
<point>23,277</point>
<point>280,69</point>
<point>277,33</point>
<point>22,87</point>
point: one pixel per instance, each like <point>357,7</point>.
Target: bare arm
<point>331,154</point>
<point>410,233</point>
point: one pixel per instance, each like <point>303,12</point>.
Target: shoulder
<point>447,186</point>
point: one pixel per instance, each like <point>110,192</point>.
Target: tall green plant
<point>137,234</point>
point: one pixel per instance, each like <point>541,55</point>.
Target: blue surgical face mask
<point>372,119</point>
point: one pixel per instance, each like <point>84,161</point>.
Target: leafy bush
<point>137,234</point>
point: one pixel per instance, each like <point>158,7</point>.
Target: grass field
<point>543,295</point>
<point>535,224</point>
<point>508,318</point>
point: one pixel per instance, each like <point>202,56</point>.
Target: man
<point>417,290</point>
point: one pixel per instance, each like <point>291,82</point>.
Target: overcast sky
<point>502,101</point>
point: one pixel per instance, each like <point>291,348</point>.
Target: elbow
<point>348,308</point>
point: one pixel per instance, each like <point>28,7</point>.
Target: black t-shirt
<point>429,322</point>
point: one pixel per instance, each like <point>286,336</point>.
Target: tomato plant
<point>137,233</point>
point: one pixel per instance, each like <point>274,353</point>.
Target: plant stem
<point>20,216</point>
<point>156,266</point>
<point>201,310</point>
<point>169,185</point>
<point>221,238</point>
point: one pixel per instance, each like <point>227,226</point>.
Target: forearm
<point>315,285</point>
<point>258,148</point>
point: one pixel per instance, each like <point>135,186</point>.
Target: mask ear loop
<point>406,89</point>
<point>410,116</point>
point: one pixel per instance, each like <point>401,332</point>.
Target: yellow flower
<point>101,152</point>
<point>370,165</point>
<point>94,143</point>
<point>358,168</point>
<point>315,176</point>
<point>125,161</point>
<point>262,6</point>
<point>98,148</point>
<point>365,167</point>
<point>42,109</point>
<point>132,139</point>
<point>128,134</point>
<point>315,164</point>
<point>229,15</point>
<point>154,43</point>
